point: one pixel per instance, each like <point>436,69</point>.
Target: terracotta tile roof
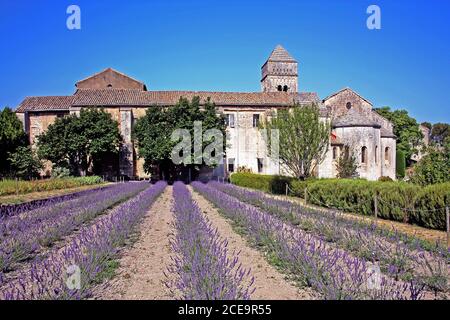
<point>49,103</point>
<point>131,97</point>
<point>122,97</point>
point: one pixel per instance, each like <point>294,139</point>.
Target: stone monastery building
<point>355,124</point>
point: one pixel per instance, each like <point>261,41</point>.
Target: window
<point>260,165</point>
<point>255,120</point>
<point>347,152</point>
<point>109,85</point>
<point>387,156</point>
<point>285,88</point>
<point>349,105</point>
<point>231,165</point>
<point>364,155</point>
<point>229,119</point>
<point>335,151</point>
<point>280,88</point>
<point>376,154</point>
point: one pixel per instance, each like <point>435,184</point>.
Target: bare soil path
<point>269,283</point>
<point>140,275</point>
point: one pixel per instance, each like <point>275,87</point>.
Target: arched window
<point>387,155</point>
<point>280,88</point>
<point>349,105</point>
<point>285,88</point>
<point>364,155</point>
<point>109,85</point>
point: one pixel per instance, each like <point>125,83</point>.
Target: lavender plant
<point>398,258</point>
<point>15,209</point>
<point>333,272</point>
<point>91,251</point>
<point>22,235</point>
<point>204,268</point>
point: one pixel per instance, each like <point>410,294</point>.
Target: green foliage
<point>440,132</point>
<point>153,131</point>
<point>76,142</point>
<point>347,164</point>
<point>12,136</point>
<point>385,179</point>
<point>8,187</point>
<point>406,128</point>
<point>400,164</point>
<point>25,163</point>
<point>59,172</point>
<point>266,183</point>
<point>434,167</point>
<point>398,201</point>
<point>303,138</point>
<point>427,201</point>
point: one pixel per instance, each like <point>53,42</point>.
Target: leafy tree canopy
<point>434,167</point>
<point>303,138</point>
<point>347,164</point>
<point>440,132</point>
<point>25,163</point>
<point>153,132</point>
<point>12,136</point>
<point>406,128</point>
<point>75,142</point>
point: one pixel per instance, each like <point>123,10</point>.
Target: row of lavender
<point>397,258</point>
<point>15,209</point>
<point>333,272</point>
<point>87,255</point>
<point>25,235</point>
<point>202,267</point>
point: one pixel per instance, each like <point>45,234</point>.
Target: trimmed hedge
<point>266,183</point>
<point>398,201</point>
<point>8,187</point>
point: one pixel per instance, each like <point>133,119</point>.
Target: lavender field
<point>209,241</point>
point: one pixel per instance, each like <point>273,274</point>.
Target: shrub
<point>266,183</point>
<point>430,206</point>
<point>244,169</point>
<point>398,201</point>
<point>60,172</point>
<point>385,179</point>
<point>401,164</point>
<point>21,187</point>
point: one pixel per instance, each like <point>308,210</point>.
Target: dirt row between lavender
<point>140,275</point>
<point>269,283</point>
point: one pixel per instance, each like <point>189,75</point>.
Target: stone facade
<point>355,124</point>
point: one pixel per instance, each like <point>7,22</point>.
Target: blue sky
<point>221,45</point>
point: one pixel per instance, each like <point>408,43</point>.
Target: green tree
<point>434,167</point>
<point>303,138</point>
<point>153,134</point>
<point>347,164</point>
<point>76,142</point>
<point>440,132</point>
<point>400,164</point>
<point>25,163</point>
<point>12,136</point>
<point>406,128</point>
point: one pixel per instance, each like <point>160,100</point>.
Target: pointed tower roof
<point>280,54</point>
